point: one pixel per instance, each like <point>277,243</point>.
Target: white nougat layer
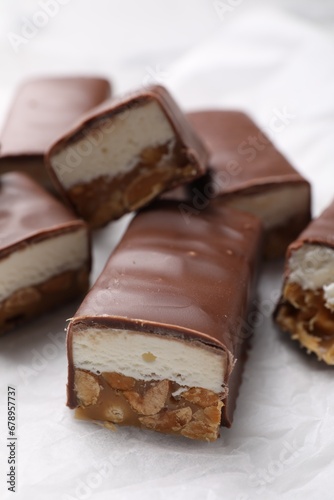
<point>276,206</point>
<point>39,261</point>
<point>149,356</point>
<point>115,146</point>
<point>329,295</point>
<point>312,267</point>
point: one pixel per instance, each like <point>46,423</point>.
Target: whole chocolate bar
<point>44,251</point>
<point>125,154</point>
<point>248,173</point>
<point>306,308</point>
<point>159,341</point>
<point>42,110</point>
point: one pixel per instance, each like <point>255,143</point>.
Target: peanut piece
<point>205,424</point>
<point>200,430</point>
<point>152,401</point>
<point>201,397</point>
<point>87,388</point>
<point>119,381</point>
<point>151,156</point>
<point>115,414</point>
<point>168,421</point>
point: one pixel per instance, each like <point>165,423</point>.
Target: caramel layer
<point>34,300</point>
<point>108,198</point>
<point>163,406</point>
<point>303,314</point>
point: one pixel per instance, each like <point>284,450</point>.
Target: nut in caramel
<point>151,405</point>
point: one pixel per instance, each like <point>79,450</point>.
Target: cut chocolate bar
<point>44,109</point>
<point>248,173</point>
<point>125,154</point>
<point>44,251</point>
<point>159,341</point>
<point>306,308</point>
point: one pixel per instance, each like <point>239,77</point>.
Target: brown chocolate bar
<point>125,154</point>
<point>44,251</point>
<point>160,340</point>
<point>42,110</point>
<point>248,173</point>
<point>306,308</point>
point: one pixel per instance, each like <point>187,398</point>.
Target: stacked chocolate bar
<point>160,340</point>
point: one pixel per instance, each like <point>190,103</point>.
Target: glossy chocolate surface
<point>44,108</point>
<point>29,212</point>
<point>319,232</point>
<point>193,280</point>
<point>243,157</point>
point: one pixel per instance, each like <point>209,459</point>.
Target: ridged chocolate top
<point>29,212</point>
<point>167,276</point>
<point>240,150</point>
<point>192,143</point>
<point>319,232</point>
<point>44,108</point>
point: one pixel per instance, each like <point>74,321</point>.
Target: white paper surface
<point>275,61</point>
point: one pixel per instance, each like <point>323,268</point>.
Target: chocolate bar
<point>248,173</point>
<point>125,154</point>
<point>44,251</point>
<point>160,340</point>
<point>42,110</point>
<point>306,308</point>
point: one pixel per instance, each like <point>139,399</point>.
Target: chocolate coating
<point>229,136</point>
<point>44,108</point>
<point>247,172</point>
<point>28,212</point>
<point>320,231</point>
<point>190,280</point>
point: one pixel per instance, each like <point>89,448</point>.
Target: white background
<point>271,59</point>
